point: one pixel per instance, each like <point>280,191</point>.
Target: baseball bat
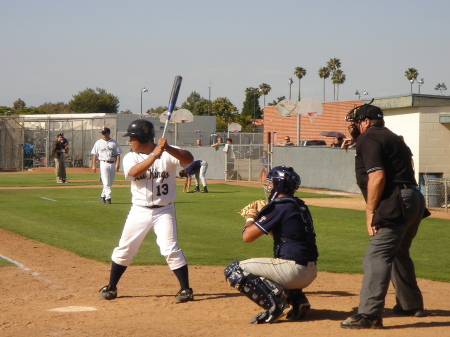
<point>172,100</point>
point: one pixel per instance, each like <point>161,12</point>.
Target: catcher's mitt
<point>253,208</point>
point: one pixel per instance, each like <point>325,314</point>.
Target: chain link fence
<point>28,142</point>
<point>11,143</point>
<point>437,192</point>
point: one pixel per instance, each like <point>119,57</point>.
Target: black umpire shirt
<point>378,148</point>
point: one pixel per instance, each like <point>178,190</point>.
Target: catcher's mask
<point>360,113</point>
<point>142,129</point>
<point>284,180</point>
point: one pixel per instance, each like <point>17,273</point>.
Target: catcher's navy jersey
<point>289,220</point>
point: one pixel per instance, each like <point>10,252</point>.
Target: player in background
<point>197,169</point>
<point>107,151</point>
<point>151,168</point>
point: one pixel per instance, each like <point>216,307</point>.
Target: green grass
<point>48,179</point>
<point>209,227</point>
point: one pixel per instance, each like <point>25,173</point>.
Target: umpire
<point>394,209</point>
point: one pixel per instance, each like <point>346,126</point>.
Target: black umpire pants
<point>387,258</point>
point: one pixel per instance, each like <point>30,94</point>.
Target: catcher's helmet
<point>284,180</point>
<point>142,129</point>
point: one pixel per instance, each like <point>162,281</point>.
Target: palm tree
<point>299,72</point>
<point>324,73</point>
<point>334,64</point>
<point>264,89</point>
<point>411,74</point>
<point>338,78</point>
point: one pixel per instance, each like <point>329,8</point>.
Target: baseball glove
<point>253,208</point>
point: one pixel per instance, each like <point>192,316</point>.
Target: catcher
<point>276,284</point>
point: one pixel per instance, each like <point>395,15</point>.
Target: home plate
<point>73,309</point>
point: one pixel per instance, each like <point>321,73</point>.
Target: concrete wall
<point>320,167</point>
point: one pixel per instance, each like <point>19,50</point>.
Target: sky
<point>53,49</point>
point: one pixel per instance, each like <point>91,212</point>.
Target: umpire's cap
<point>368,111</point>
<point>142,129</point>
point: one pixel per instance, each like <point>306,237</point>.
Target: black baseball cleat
<point>184,295</point>
<point>108,293</point>
<point>362,321</point>
<point>204,190</point>
<point>107,201</point>
<point>298,305</point>
<point>196,189</point>
<point>102,200</point>
<point>419,312</point>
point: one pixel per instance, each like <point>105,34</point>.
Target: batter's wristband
<point>249,219</point>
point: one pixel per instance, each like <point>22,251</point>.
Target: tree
<point>333,64</point>
<point>251,104</point>
<point>300,73</point>
<point>55,108</point>
<point>324,73</point>
<point>191,100</point>
<point>278,100</point>
<point>201,107</point>
<point>19,104</point>
<point>411,74</point>
<point>91,101</point>
<point>264,89</point>
<point>337,79</point>
<point>128,112</point>
<point>224,110</point>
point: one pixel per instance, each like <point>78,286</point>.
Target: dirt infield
<point>51,292</point>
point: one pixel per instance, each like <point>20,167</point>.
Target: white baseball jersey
<point>106,150</point>
<point>158,185</point>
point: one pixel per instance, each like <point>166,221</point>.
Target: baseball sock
<point>116,273</point>
<point>182,275</point>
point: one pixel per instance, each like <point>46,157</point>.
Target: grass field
<point>208,225</point>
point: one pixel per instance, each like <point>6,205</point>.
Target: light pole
<point>209,97</point>
<point>420,83</point>
<point>142,90</point>
<point>290,86</point>
<point>411,81</point>
<point>357,93</point>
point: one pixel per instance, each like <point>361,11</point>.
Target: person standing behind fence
<point>58,154</point>
<point>107,151</point>
<point>229,150</point>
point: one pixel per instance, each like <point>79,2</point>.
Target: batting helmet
<point>284,180</point>
<point>142,129</point>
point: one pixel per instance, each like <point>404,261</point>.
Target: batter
<point>151,169</point>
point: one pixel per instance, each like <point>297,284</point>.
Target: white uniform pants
<point>139,221</point>
<point>107,174</point>
<point>285,272</point>
<point>201,174</point>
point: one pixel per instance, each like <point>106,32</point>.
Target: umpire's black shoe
<point>362,321</point>
<point>397,309</point>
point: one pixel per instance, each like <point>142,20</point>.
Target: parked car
<point>313,142</point>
